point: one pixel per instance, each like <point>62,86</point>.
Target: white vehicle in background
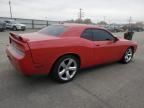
<point>14,25</point>
<point>2,26</point>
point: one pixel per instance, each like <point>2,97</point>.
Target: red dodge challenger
<point>60,50</point>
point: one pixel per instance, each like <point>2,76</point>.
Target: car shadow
<point>97,67</point>
<point>37,79</point>
<point>40,79</point>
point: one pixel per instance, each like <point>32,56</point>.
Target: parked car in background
<point>14,25</point>
<point>133,27</point>
<point>60,50</point>
<point>114,28</point>
<point>137,29</point>
<point>2,26</point>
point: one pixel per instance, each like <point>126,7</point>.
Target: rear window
<point>54,30</point>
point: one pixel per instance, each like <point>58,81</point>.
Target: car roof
<point>75,30</point>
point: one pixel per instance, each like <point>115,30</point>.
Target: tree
<point>139,24</point>
<point>78,21</point>
<point>70,21</point>
<point>102,23</point>
<point>87,21</point>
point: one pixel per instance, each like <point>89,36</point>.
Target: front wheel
<point>128,56</point>
<point>23,29</point>
<point>14,28</point>
<point>65,68</point>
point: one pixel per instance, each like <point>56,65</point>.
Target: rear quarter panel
<point>47,52</point>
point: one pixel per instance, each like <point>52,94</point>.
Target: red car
<point>62,49</point>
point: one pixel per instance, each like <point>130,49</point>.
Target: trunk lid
<point>32,37</point>
<point>22,42</point>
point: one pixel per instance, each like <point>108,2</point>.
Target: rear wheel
<point>65,68</point>
<point>128,55</point>
<point>1,30</point>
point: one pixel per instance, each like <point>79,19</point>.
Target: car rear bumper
<point>23,63</point>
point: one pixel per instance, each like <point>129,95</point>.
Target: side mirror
<point>115,39</point>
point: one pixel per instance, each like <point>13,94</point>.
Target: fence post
<point>32,24</point>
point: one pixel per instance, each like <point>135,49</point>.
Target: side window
<point>87,34</point>
<point>101,35</point>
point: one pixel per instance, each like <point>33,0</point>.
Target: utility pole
<point>104,18</point>
<point>10,9</point>
<point>80,14</point>
<point>130,19</point>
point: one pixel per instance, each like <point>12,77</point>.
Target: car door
<point>105,47</point>
<point>88,44</point>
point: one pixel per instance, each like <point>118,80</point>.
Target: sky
<point>111,11</point>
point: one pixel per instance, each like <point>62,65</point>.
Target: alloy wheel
<point>67,69</point>
<point>128,55</point>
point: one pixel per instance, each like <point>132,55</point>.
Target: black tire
<point>126,60</point>
<point>1,30</point>
<point>14,28</point>
<point>55,71</point>
<point>23,29</point>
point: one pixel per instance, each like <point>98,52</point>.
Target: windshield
<point>54,30</point>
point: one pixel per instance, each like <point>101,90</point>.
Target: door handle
<point>97,45</point>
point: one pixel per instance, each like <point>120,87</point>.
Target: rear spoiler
<point>18,37</point>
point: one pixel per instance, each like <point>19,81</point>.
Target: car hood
<point>122,39</point>
<point>127,41</point>
<point>32,37</point>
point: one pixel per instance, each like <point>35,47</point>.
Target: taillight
<point>20,52</point>
<point>18,43</point>
<point>17,46</point>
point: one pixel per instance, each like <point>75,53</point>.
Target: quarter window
<point>88,34</point>
<point>54,30</point>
